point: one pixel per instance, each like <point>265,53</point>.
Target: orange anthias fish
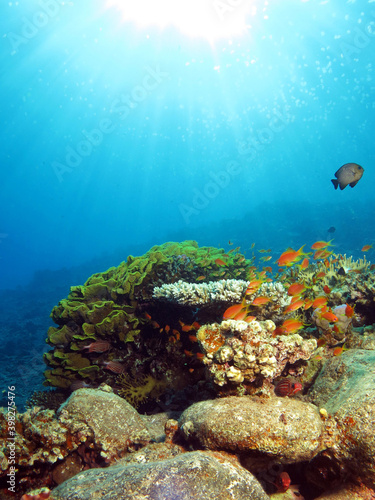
<point>253,286</point>
<point>319,302</point>
<point>296,289</point>
<point>349,311</point>
<point>330,316</point>
<point>235,312</point>
<point>290,256</point>
<point>322,254</point>
<point>318,245</point>
<point>260,301</point>
<point>266,258</point>
<point>291,325</point>
<point>241,316</point>
<point>294,306</point>
<point>308,304</point>
<point>337,351</point>
<point>304,264</point>
<point>249,319</point>
<point>366,248</point>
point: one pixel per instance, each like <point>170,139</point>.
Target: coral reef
<point>181,325</point>
<point>240,352</point>
<point>40,438</point>
<point>349,281</point>
<point>91,429</point>
<point>112,324</point>
<point>225,291</point>
<point>202,293</point>
<point>274,309</point>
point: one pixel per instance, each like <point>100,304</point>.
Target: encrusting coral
<point>240,352</point>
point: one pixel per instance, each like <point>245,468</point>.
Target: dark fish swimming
<point>350,173</point>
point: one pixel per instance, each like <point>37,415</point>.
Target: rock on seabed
<point>285,429</point>
<point>190,476</point>
<point>106,418</point>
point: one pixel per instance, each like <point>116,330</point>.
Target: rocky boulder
<point>106,420</point>
<point>346,389</point>
<point>280,428</point>
<point>189,476</point>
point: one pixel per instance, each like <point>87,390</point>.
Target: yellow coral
<point>138,391</point>
<point>348,264</point>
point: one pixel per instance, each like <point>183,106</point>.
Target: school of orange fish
<point>301,299</point>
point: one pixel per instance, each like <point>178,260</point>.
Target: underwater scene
<point>187,250</point>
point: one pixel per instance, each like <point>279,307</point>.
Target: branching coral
<point>226,291</point>
<point>202,293</point>
<point>274,308</point>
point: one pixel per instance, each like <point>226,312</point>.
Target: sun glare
<point>210,19</point>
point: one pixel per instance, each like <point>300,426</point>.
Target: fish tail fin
<point>335,182</point>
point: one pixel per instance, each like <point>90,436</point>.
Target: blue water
<point>116,137</point>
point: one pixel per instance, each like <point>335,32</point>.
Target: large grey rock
<point>105,419</point>
<point>191,476</point>
<point>282,428</point>
<point>346,389</point>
